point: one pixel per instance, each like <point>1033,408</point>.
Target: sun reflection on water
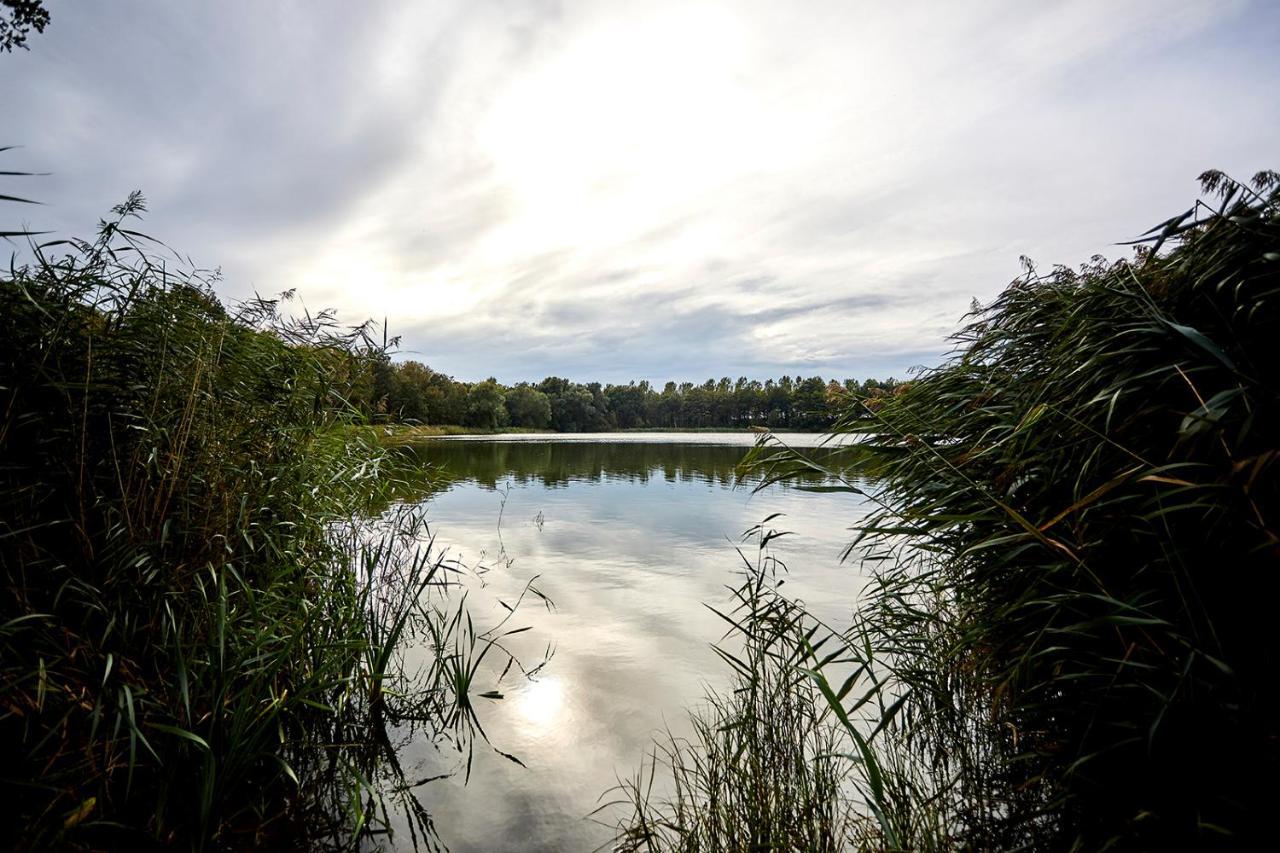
<point>541,703</point>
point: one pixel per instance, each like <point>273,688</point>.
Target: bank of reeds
<point>197,647</point>
<point>1077,547</point>
<point>763,768</point>
<point>1073,540</point>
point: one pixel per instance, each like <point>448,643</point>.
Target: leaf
<point>1196,337</point>
<point>287,770</point>
<point>80,812</point>
<point>182,733</point>
<point>846,489</point>
<point>1156,478</point>
<point>510,757</point>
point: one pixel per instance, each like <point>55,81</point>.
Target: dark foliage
<point>1078,529</point>
<point>192,650</point>
<point>413,393</point>
<point>17,19</point>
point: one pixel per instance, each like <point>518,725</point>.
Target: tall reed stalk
<point>198,639</point>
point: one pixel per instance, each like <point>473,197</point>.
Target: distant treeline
<point>411,392</point>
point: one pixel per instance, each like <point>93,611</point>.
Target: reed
<point>762,769</point>
<point>199,640</point>
<point>1075,549</point>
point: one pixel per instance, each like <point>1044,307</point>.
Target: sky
<point>613,191</point>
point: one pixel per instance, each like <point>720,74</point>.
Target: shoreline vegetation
<point>1065,644</point>
<point>411,393</point>
<point>206,594</point>
<point>226,625</point>
<point>1074,552</point>
<point>394,435</point>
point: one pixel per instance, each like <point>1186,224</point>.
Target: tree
<point>528,407</point>
<point>809,401</point>
<point>777,400</point>
<point>486,405</point>
<point>599,407</point>
<point>670,406</point>
<point>17,19</point>
<point>446,400</point>
<point>413,392</point>
<point>627,404</point>
<point>573,411</point>
<point>409,392</point>
<point>554,386</point>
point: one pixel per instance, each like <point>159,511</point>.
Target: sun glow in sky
<point>611,190</point>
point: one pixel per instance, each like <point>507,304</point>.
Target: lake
<point>631,535</point>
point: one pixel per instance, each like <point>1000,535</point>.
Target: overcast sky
<point>640,190</point>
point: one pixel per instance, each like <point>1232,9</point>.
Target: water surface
<point>631,535</point>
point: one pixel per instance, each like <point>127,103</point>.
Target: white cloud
<point>614,190</point>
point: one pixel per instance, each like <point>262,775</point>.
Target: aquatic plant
<point>1075,552</point>
<point>198,638</point>
<point>762,769</point>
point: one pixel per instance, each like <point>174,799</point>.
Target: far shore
<point>395,434</point>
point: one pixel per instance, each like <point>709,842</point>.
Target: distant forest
<point>411,392</point>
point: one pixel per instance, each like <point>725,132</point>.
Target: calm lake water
<point>631,536</point>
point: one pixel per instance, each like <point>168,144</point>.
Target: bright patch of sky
<point>613,190</point>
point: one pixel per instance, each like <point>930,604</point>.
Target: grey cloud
<point>910,155</point>
<point>605,341</point>
<point>833,307</point>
